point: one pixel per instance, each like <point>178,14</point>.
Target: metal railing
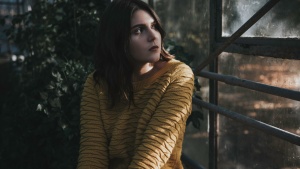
<point>214,77</point>
<point>231,80</point>
<point>269,129</point>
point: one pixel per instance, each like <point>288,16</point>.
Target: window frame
<point>286,48</point>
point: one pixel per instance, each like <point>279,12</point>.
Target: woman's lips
<point>154,48</point>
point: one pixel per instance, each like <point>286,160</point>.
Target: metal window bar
<point>232,80</point>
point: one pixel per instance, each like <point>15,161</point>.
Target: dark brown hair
<point>112,62</point>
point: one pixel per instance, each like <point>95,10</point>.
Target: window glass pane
<point>283,21</point>
<point>243,146</point>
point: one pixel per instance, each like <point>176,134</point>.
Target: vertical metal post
<point>213,87</point>
<point>213,137</point>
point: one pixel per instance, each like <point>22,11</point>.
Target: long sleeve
<point>167,123</point>
<point>93,153</point>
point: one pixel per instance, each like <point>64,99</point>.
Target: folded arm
<point>167,122</point>
<point>93,142</point>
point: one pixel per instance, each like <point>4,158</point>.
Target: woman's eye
<point>138,31</point>
<point>154,26</point>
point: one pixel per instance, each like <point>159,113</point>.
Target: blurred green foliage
<point>39,116</point>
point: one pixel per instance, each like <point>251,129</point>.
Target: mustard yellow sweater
<point>147,135</point>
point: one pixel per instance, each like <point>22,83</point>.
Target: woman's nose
<point>152,35</point>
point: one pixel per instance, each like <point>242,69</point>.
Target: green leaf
<point>58,17</point>
<point>46,111</point>
<point>39,107</point>
<point>44,95</point>
<point>58,93</point>
<point>50,87</point>
<point>75,86</point>
<point>65,88</point>
<point>57,75</point>
<point>55,103</point>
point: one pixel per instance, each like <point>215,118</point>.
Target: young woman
<point>135,104</point>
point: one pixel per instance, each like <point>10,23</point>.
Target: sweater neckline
<point>137,85</point>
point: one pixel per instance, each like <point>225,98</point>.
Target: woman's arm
<point>167,123</point>
<point>93,142</point>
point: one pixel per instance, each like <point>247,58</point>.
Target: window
<point>266,53</point>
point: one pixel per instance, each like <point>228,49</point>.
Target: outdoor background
<point>46,53</point>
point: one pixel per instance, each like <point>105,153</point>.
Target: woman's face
<point>145,39</point>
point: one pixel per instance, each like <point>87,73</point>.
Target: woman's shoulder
<point>179,67</point>
<point>90,79</point>
<point>93,81</point>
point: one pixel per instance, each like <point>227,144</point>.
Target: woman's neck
<point>147,70</point>
<point>140,70</point>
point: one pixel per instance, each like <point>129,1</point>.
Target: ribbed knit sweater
<point>147,135</point>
